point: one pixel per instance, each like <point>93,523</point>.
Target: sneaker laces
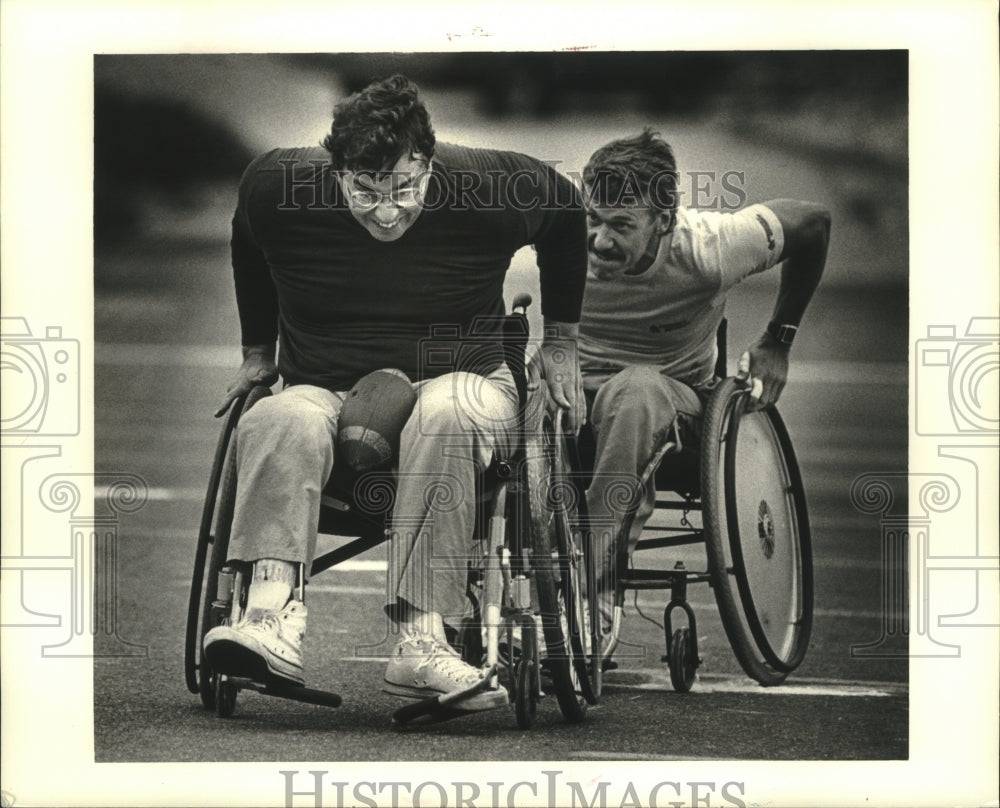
<point>446,661</point>
<point>265,622</point>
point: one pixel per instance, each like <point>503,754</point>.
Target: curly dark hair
<point>376,126</point>
<point>633,170</point>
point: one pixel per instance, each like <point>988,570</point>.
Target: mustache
<point>605,255</point>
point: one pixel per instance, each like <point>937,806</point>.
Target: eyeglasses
<point>365,199</point>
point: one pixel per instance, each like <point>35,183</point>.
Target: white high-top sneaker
<point>265,646</point>
<point>422,666</point>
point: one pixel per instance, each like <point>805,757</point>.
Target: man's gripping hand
<point>764,368</point>
<point>258,368</point>
<point>561,367</point>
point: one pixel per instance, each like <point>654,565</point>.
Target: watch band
<point>785,334</point>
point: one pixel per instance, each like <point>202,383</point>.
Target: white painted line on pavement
<point>327,586</point>
<point>158,494</point>
<point>345,590</point>
<point>228,357</point>
<point>352,565</point>
<point>831,524</point>
<point>826,522</point>
<point>846,563</point>
<point>164,533</point>
<point>659,680</point>
<point>697,562</point>
<point>313,588</point>
<point>784,690</point>
<point>852,614</point>
<point>361,565</point>
<point>157,355</point>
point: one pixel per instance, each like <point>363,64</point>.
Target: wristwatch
<point>784,334</point>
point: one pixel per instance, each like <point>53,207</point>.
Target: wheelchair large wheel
<point>580,539</point>
<point>216,524</point>
<point>206,538</point>
<point>560,578</point>
<point>756,534</point>
<point>578,560</point>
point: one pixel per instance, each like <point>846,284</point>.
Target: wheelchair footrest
<point>324,698</point>
<point>443,707</point>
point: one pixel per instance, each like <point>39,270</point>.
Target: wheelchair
<point>532,622</point>
<point>744,480</point>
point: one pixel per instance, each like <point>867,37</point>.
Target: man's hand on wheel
<point>258,368</point>
<point>764,368</point>
<point>561,366</point>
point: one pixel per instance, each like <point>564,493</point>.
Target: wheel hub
<point>765,529</point>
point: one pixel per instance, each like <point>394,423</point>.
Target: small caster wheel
<point>225,697</point>
<point>526,684</point>
<point>510,646</point>
<point>206,685</point>
<point>683,661</point>
<point>525,692</point>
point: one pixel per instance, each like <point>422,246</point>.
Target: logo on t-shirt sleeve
<point>767,230</point>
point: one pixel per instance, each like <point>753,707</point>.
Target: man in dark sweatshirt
<point>347,256</point>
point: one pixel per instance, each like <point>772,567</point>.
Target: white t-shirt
<point>668,315</point>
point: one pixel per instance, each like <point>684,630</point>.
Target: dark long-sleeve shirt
<point>343,304</point>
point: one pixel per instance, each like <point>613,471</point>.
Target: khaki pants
<point>285,449</point>
<point>633,413</point>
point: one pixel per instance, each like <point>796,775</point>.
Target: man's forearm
<point>799,281</point>
<point>800,276</point>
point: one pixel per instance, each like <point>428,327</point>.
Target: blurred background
<point>173,133</point>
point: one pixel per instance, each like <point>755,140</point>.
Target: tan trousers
<point>286,451</point>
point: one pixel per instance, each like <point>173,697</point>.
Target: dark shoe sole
<point>234,659</point>
<point>484,700</point>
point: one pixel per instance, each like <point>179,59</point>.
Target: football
<point>372,419</point>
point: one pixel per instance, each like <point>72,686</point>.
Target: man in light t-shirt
<point>655,296</point>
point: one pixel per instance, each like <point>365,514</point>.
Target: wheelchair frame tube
<point>493,578</point>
